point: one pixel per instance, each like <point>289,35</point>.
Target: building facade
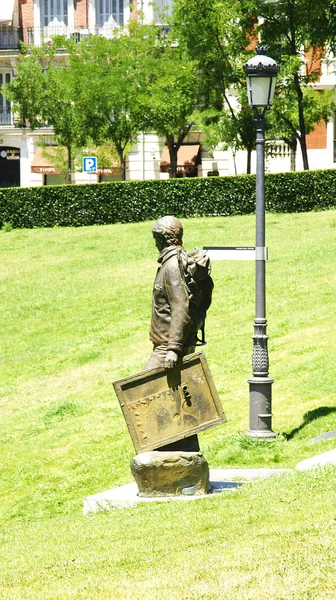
<point>21,161</point>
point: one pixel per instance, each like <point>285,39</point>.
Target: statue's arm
<point>171,359</point>
<point>177,297</point>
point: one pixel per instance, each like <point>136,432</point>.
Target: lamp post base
<point>267,436</point>
<point>261,408</point>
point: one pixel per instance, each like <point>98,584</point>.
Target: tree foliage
<point>43,92</point>
<point>216,34</point>
<point>109,79</point>
<point>108,90</point>
<point>283,120</point>
<point>170,94</point>
<point>137,81</point>
<point>143,79</point>
<point>298,32</point>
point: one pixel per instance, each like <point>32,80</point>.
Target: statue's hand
<point>171,360</point>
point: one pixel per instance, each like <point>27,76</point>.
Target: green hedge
<point>133,201</point>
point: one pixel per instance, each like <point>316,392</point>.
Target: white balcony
<point>328,77</point>
<point>36,36</point>
<point>6,118</point>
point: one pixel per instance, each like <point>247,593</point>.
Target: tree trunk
<point>69,170</point>
<point>296,80</point>
<point>122,160</point>
<point>302,124</point>
<point>173,149</point>
<point>173,162</point>
<point>303,146</point>
<point>248,165</point>
<point>234,161</point>
<point>292,145</point>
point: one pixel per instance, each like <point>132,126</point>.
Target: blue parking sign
<point>90,164</point>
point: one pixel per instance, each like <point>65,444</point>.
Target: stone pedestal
<point>170,474</point>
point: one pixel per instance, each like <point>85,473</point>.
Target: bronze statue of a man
<point>173,330</point>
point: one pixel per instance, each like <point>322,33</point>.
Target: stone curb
<point>221,480</point>
<point>319,460</point>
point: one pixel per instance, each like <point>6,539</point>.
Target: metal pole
<point>260,384</point>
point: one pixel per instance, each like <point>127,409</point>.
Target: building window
<point>162,10</point>
<point>5,105</point>
<point>110,12</point>
<point>55,12</point>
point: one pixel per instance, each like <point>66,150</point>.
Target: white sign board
<point>236,253</point>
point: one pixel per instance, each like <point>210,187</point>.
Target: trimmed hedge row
<point>134,201</point>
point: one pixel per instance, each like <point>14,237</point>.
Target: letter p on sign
<point>89,164</point>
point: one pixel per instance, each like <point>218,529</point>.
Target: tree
<point>216,34</point>
<point>44,92</point>
<point>291,27</point>
<point>136,81</point>
<point>222,131</point>
<point>170,94</point>
<point>109,77</point>
<point>283,120</point>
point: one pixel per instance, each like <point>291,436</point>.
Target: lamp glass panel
<point>260,88</point>
<point>272,89</point>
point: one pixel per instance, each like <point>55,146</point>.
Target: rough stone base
<point>170,474</point>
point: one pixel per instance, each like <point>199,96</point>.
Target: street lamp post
<point>261,72</point>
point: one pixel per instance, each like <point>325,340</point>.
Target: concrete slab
<point>324,436</point>
<point>319,460</point>
<point>244,475</point>
<point>221,480</point>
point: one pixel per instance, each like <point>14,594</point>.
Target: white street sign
<point>236,253</point>
<point>89,164</point>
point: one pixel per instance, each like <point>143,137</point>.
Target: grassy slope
<point>76,310</point>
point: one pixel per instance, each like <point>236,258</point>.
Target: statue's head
<point>168,231</point>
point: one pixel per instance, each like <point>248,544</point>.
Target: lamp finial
<point>262,49</point>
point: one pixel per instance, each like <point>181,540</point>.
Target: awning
<point>188,157</point>
<point>6,11</point>
<point>45,164</point>
<point>46,158</point>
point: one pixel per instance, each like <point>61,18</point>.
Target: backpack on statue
<point>195,270</point>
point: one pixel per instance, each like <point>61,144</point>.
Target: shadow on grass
<point>310,416</point>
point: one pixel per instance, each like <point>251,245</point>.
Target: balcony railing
<point>10,37</point>
<point>37,35</point>
<point>6,119</point>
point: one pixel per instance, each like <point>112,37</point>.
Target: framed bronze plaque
<point>162,406</point>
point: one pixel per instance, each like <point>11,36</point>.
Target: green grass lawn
<point>76,307</point>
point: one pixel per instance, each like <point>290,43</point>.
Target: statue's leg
<point>157,360</point>
<point>189,444</point>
